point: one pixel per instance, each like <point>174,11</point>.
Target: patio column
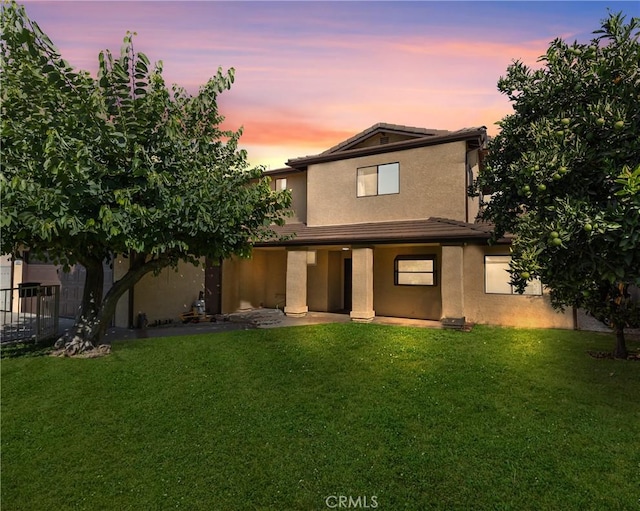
<point>17,269</point>
<point>452,286</point>
<point>362,285</point>
<point>296,298</point>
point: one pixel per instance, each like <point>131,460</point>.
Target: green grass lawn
<point>283,419</point>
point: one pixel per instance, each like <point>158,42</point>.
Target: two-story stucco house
<point>382,225</point>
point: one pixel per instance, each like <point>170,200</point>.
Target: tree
<point>564,173</point>
<point>119,164</point>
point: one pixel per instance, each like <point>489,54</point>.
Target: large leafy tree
<point>118,164</point>
<point>565,173</point>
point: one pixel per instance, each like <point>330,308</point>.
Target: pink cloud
<point>309,75</point>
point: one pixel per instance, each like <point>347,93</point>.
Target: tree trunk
<point>96,312</point>
<point>80,337</point>
<point>621,347</point>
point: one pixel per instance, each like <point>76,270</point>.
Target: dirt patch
<point>101,351</point>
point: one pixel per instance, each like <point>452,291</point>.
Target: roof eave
<point>303,162</point>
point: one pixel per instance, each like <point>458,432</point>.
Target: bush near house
<point>286,418</point>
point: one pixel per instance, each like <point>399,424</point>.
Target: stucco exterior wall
<point>256,282</point>
<point>335,297</point>
<point>318,282</point>
<point>432,183</point>
<point>170,293</point>
<point>297,185</point>
<point>506,310</point>
<point>418,302</point>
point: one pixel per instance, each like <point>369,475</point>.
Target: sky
<point>312,74</point>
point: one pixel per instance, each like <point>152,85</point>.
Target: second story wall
<point>431,183</point>
<point>296,183</point>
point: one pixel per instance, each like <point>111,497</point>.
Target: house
<point>382,225</point>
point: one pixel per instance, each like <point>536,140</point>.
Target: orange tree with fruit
<point>564,173</point>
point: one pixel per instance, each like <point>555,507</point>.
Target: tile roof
<point>477,135</point>
<point>418,137</point>
<point>278,171</point>
<point>406,231</point>
<point>390,128</point>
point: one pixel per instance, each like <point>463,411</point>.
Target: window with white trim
<point>378,180</point>
<point>497,279</point>
<point>415,270</point>
<point>281,184</point>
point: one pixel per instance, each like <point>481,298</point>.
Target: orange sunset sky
<point>311,74</point>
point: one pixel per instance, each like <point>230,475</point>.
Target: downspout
<point>467,170</point>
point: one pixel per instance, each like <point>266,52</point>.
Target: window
<point>497,279</point>
<point>281,184</point>
<point>419,270</point>
<point>379,180</point>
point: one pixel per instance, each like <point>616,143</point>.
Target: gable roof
<point>384,128</point>
<point>433,229</point>
<point>417,137</point>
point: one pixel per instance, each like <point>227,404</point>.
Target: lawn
<point>297,418</point>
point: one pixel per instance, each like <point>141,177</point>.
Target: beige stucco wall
<point>420,302</point>
<point>336,279</point>
<point>167,295</point>
<point>261,280</point>
<point>432,183</point>
<point>297,185</point>
<point>506,310</point>
<point>256,282</point>
<point>318,282</point>
<point>325,290</point>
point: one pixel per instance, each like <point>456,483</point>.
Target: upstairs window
<point>281,184</point>
<point>418,270</point>
<point>379,180</point>
<point>497,279</point>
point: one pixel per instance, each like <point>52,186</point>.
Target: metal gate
<point>29,312</point>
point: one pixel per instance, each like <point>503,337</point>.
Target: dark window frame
<point>416,257</point>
